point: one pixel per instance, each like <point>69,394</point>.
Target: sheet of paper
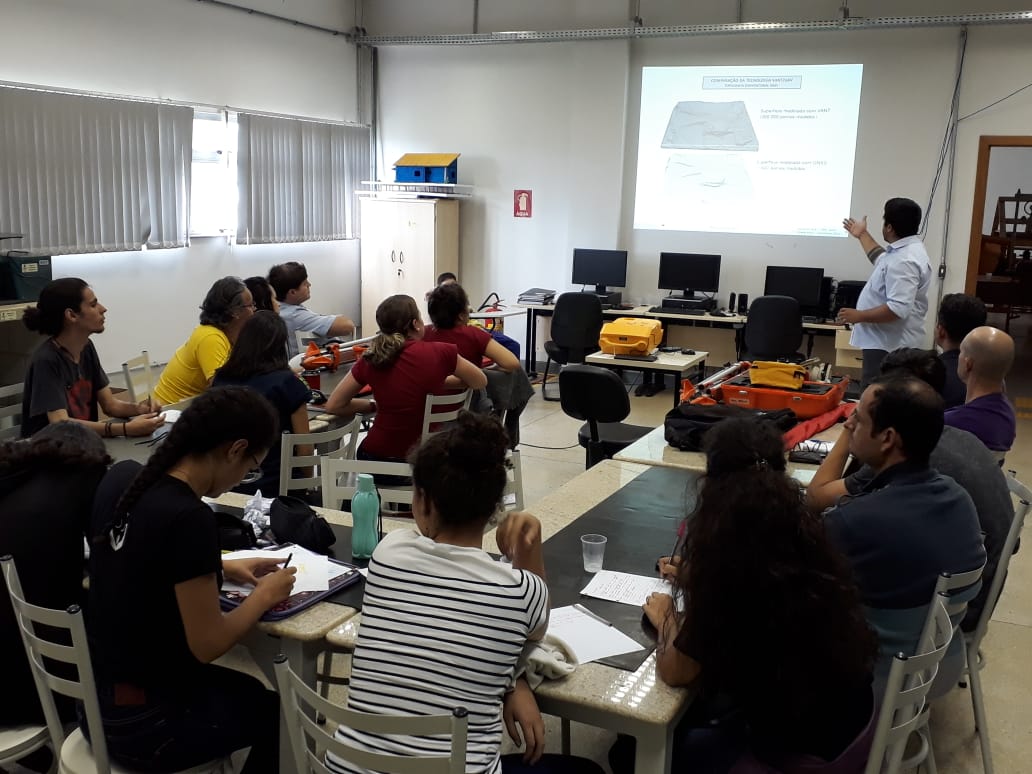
<point>313,570</point>
<point>589,639</point>
<point>624,587</point>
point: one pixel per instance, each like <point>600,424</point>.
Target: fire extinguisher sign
<point>522,201</point>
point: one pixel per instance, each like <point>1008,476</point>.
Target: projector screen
<point>747,149</point>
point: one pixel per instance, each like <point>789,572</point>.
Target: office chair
<point>774,330</point>
<point>598,396</point>
<point>576,326</point>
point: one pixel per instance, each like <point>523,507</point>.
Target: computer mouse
<point>687,351</point>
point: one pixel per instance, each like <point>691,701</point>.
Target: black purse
<point>292,520</point>
<point>235,534</point>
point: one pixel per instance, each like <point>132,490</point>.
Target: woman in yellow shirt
<point>226,308</point>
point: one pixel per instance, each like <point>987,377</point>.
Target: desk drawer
<point>846,355</point>
<point>842,340</point>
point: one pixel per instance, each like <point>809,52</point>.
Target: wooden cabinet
<point>406,243</point>
<point>846,355</point>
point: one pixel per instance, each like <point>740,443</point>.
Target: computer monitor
<point>601,268</point>
<point>688,272</point>
<point>800,282</point>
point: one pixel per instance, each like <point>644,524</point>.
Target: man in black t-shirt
<point>959,314</point>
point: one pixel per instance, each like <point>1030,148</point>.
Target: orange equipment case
<point>630,336</point>
<point>811,400</point>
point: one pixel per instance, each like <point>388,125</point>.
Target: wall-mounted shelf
<point>417,190</point>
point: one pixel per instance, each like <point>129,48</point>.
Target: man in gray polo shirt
<point>290,283</point>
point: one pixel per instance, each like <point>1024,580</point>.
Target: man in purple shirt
<point>986,356</point>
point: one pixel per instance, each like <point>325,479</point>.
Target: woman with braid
<point>402,370</point>
<point>155,624</point>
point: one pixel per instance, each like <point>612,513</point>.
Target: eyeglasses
<point>254,473</point>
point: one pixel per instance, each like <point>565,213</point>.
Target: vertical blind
<point>81,174</point>
<point>298,179</point>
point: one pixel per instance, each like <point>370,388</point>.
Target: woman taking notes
<point>155,623</point>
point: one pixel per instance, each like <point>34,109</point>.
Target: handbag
<point>235,534</point>
<point>292,520</point>
<point>685,426</point>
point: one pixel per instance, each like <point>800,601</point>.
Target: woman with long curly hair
<point>771,621</point>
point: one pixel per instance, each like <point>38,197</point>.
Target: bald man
<point>986,356</point>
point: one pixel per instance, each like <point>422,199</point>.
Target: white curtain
<point>298,179</point>
<point>82,174</point>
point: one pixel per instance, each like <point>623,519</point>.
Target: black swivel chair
<point>774,330</point>
<point>598,396</point>
<point>576,326</point>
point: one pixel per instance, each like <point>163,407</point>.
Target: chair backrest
<point>308,738</point>
<point>577,321</point>
<point>1024,495</point>
<point>594,395</point>
<point>340,480</point>
<point>68,623</point>
<point>138,379</point>
<point>309,450</point>
<point>910,679</point>
<point>10,411</point>
<point>774,328</point>
<point>955,590</point>
<point>440,410</point>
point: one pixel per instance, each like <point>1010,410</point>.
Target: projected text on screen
<point>747,149</point>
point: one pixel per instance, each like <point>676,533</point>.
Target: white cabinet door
<point>378,228</point>
<point>415,241</point>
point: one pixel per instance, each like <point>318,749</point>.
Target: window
<point>213,189</point>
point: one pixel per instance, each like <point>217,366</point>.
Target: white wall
<point>190,52</point>
<point>1010,170</point>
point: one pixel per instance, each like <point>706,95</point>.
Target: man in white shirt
<point>890,312</point>
<point>290,283</point>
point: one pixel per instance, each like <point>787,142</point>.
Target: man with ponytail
<point>155,624</point>
<point>65,380</point>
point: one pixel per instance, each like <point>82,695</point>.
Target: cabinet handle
<point>401,256</point>
<point>392,257</point>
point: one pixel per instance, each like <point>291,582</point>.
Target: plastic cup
<point>593,548</point>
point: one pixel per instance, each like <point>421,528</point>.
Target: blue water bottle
<point>365,515</point>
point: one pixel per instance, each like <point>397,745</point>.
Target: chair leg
<point>978,705</point>
<point>544,380</point>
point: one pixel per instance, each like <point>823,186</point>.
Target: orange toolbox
<point>810,400</point>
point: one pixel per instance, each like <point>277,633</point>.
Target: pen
<point>589,614</point>
<point>290,556</point>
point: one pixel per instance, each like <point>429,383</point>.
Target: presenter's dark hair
<point>396,317</point>
<point>284,277</point>
<point>904,215</point>
<point>224,300</point>
<point>913,409</point>
<point>47,316</point>
<point>261,293</point>
<point>447,305</point>
<point>921,364</point>
<point>755,560</point>
<point>462,470</point>
<point>261,348</point>
<point>959,314</point>
<point>218,416</point>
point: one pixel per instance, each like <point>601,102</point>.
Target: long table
<point>676,363</point>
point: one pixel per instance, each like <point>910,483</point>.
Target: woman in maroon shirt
<point>449,312</point>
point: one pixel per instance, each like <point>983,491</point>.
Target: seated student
<point>444,278</point>
<point>226,308</point>
<point>259,361</point>
<point>460,651</point>
<point>909,523</point>
<point>263,295</point>
<point>46,488</point>
<point>290,281</point>
<point>402,370</point>
<point>959,314</point>
<point>65,379</point>
<point>772,621</point>
<point>448,306</point>
<point>155,624</point>
<point>986,357</point>
<point>957,455</point>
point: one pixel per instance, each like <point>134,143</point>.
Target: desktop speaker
<point>731,303</point>
<point>743,303</point>
<point>825,307</point>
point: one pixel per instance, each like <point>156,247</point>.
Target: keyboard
<point>671,310</point>
<point>809,319</point>
<point>642,358</point>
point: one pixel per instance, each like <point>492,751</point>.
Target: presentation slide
<point>747,149</point>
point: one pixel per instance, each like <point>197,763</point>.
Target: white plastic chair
<point>440,410</point>
<point>138,380</point>
<point>902,710</point>
<point>77,756</point>
<point>18,741</point>
<point>340,480</point>
<point>327,444</point>
<point>308,739</point>
<point>10,412</point>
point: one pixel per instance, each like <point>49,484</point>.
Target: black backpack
<point>294,521</point>
<point>686,425</point>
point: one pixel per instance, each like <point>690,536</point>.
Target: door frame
<point>985,145</point>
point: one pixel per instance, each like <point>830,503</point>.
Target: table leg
<point>564,727</point>
<point>677,388</point>
<point>529,364</point>
<point>809,345</point>
<point>652,751</point>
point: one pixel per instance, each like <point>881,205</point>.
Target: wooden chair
<point>339,442</point>
<point>138,381</point>
<point>440,410</point>
<point>308,739</point>
<point>11,411</point>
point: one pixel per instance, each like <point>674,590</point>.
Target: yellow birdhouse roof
<point>426,159</point>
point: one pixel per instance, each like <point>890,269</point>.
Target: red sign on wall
<point>522,203</point>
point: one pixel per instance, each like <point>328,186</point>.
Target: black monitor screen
<point>801,283</point>
<point>601,268</point>
<point>689,272</point>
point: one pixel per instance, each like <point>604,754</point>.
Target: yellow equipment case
<point>630,336</point>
